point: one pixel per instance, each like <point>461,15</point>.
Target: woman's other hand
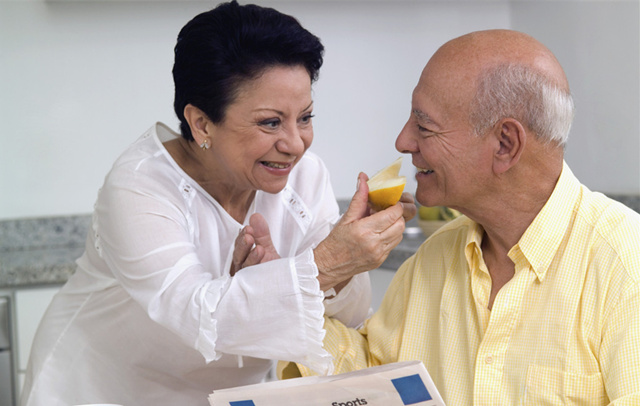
<point>253,245</point>
<point>359,242</point>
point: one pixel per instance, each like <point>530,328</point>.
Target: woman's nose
<point>292,142</point>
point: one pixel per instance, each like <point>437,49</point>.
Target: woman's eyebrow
<point>281,113</point>
<point>309,106</point>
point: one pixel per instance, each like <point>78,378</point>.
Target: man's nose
<point>405,142</point>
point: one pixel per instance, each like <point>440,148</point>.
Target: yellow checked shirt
<point>564,331</point>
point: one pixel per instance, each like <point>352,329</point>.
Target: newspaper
<point>396,384</point>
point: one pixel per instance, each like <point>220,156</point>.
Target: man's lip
<point>423,170</point>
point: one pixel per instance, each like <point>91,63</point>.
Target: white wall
<point>81,80</point>
<point>597,43</point>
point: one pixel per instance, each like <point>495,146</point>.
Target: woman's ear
<point>511,139</point>
<point>199,124</point>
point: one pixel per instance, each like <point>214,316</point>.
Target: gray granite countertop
<point>43,251</point>
<point>40,251</point>
<point>410,242</point>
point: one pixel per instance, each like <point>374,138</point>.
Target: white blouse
<point>152,317</point>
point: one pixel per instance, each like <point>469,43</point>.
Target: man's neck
<point>506,218</point>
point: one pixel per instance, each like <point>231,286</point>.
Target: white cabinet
<point>30,305</point>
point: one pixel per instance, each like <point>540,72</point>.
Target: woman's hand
<point>409,208</point>
<point>359,242</point>
<point>253,245</point>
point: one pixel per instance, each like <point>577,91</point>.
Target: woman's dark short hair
<point>219,50</point>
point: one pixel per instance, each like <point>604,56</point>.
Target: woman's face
<point>266,130</point>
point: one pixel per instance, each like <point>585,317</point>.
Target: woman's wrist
<point>327,272</point>
<point>333,292</point>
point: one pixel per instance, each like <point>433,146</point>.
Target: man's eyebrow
<point>422,116</point>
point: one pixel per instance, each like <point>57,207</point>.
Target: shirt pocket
<point>548,386</point>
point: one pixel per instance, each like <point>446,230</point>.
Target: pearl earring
<point>204,145</point>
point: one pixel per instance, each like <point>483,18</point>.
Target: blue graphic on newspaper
<point>411,389</point>
<point>242,403</point>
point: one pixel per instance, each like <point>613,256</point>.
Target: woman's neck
<point>188,157</point>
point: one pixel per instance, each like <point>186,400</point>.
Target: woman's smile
<point>276,165</point>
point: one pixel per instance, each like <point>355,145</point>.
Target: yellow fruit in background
<point>386,186</point>
<point>437,213</point>
<point>448,214</point>
<point>429,213</point>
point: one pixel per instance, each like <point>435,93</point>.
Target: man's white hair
<point>525,94</point>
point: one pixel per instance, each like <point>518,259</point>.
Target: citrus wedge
<point>386,186</point>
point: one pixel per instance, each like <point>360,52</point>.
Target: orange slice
<point>386,186</point>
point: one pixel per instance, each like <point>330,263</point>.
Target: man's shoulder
<point>597,205</point>
<point>454,231</point>
<point>450,239</point>
<point>615,226</point>
<point>607,216</point>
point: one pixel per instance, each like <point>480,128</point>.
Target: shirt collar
<point>473,245</point>
<point>541,240</point>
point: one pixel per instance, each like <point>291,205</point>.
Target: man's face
<point>451,161</point>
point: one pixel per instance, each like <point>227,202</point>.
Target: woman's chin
<point>273,188</point>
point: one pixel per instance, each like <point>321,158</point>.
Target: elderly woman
<point>218,250</point>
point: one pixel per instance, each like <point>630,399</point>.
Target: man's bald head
<point>482,50</point>
<point>494,74</point>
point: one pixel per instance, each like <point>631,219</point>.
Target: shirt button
<point>488,359</point>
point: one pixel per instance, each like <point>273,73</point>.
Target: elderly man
<point>532,297</point>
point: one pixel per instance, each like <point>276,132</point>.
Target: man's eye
<point>425,131</point>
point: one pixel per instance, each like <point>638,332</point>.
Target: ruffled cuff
<point>272,310</point>
<point>208,334</point>
<point>316,357</point>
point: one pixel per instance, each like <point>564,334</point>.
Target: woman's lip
<point>276,165</point>
<point>282,168</point>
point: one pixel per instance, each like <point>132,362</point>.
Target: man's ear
<point>511,138</point>
<point>199,123</point>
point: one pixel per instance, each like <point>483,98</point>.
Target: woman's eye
<point>270,123</point>
<point>306,118</point>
